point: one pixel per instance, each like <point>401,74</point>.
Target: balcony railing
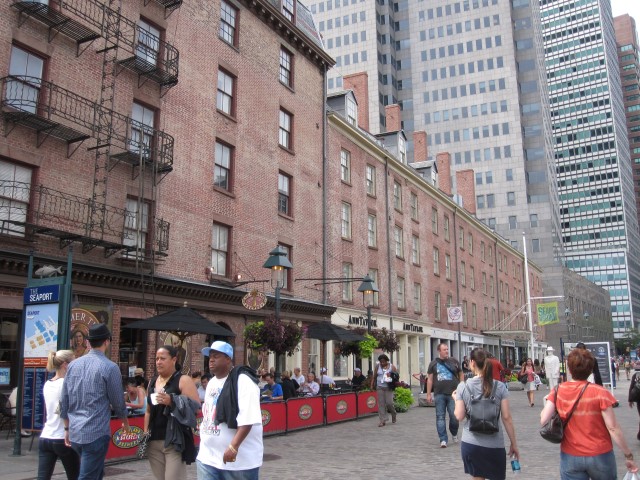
<point>169,5</point>
<point>68,218</point>
<point>55,111</point>
<point>148,56</point>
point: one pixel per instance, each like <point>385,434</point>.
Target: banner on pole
<point>548,313</point>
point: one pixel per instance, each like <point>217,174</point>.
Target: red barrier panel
<point>125,444</point>
<point>274,418</point>
<point>340,407</point>
<point>367,403</point>
<point>304,412</point>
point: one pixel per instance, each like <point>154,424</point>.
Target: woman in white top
<point>51,445</point>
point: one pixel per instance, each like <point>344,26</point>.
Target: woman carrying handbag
<point>586,450</point>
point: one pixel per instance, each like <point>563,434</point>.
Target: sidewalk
<point>360,450</point>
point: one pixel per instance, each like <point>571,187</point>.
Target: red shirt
<point>497,369</point>
<point>586,434</point>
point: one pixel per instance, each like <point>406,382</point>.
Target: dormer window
<point>352,112</point>
<point>287,9</point>
<point>402,149</point>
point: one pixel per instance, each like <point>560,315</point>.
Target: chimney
<point>466,188</point>
<point>359,84</point>
<point>420,150</point>
<point>392,112</point>
<point>443,160</point>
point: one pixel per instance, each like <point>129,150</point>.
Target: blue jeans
<point>207,472</point>
<point>92,457</point>
<point>444,403</point>
<point>599,467</point>
<point>49,451</point>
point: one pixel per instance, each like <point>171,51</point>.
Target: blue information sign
<point>41,294</point>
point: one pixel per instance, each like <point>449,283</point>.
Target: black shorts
<point>489,463</point>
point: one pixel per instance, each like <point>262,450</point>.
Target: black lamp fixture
<point>279,264</point>
<point>368,288</point>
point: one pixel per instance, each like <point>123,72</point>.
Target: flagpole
<point>526,275</point>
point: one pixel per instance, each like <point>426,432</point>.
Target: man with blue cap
<point>231,430</point>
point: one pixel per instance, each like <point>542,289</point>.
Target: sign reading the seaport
<point>40,323</point>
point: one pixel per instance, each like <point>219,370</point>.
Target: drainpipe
<point>324,181</point>
<point>455,259</point>
<point>389,257</point>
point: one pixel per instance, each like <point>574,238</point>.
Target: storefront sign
<point>42,294</point>
<point>362,321</point>
<point>410,327</point>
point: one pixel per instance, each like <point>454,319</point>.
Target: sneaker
<point>443,444</point>
<point>454,438</point>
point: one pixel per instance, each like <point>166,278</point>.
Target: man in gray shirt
<point>91,389</point>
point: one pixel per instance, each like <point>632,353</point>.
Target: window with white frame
<point>436,261</point>
<point>370,174</point>
<point>347,285</point>
<point>286,67</point>
<point>222,169</point>
<point>345,165</point>
<point>397,196</point>
<point>402,149</point>
<point>346,220</point>
<point>474,315</point>
<point>226,90</point>
<point>285,130</point>
<point>219,249</point>
<point>284,194</point>
<point>228,23</point>
<point>415,250</point>
<point>447,266</point>
<point>486,319</point>
<point>434,221</point>
<point>446,228</point>
<point>352,111</point>
<point>470,243</point>
<point>136,226</point>
<point>417,297</point>
<point>142,130</point>
<point>465,319</point>
<point>15,192</point>
<point>401,294</point>
<point>23,91</point>
<point>288,272</point>
<point>148,46</point>
<point>414,206</point>
<point>436,307</point>
<point>288,9</point>
<point>484,283</point>
<point>472,277</point>
<point>372,231</point>
<point>463,274</point>
<point>313,357</point>
<point>397,237</point>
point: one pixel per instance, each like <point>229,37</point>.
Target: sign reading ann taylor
<point>410,327</point>
<point>454,314</point>
<point>362,321</point>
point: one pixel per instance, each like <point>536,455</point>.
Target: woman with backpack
<point>482,446</point>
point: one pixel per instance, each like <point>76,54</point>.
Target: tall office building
<point>629,61</point>
<point>598,211</point>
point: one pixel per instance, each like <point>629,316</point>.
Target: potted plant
<point>402,398</point>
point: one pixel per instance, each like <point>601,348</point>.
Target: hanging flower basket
<point>272,335</point>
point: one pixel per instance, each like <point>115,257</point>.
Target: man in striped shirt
<point>92,388</point>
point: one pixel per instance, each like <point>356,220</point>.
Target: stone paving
<point>360,450</point>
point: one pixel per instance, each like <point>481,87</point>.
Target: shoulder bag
<point>143,443</point>
<point>553,430</point>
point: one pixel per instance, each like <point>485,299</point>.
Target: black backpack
<point>395,379</point>
<point>483,414</point>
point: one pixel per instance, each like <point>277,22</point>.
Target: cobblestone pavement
<point>360,450</point>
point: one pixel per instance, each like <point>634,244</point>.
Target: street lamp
<point>279,264</point>
<point>369,289</point>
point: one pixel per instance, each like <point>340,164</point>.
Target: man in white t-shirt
<point>231,429</point>
<point>298,377</point>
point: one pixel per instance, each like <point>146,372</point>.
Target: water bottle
<point>515,466</point>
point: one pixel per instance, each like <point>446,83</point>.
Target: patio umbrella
<point>328,331</point>
<point>182,322</point>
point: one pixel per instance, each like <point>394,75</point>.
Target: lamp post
<point>278,263</point>
<point>369,289</point>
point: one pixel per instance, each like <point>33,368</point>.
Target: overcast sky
<point>632,7</point>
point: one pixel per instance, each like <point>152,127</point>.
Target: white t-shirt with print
<point>214,440</point>
<point>54,426</point>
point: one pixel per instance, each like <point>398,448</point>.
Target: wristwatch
<point>629,457</point>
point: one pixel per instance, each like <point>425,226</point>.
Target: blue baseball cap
<point>219,346</point>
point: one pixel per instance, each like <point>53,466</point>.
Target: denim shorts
<point>598,467</point>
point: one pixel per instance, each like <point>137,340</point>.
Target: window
<point>373,273</point>
<point>491,286</point>
<point>465,319</point>
<point>222,170</point>
<point>446,228</point>
<point>484,283</point>
<point>345,217</point>
<point>470,243</point>
<point>288,9</point>
<point>372,231</point>
<point>461,237</point>
<point>347,286</point>
<point>401,299</point>
<point>352,112</point>
<point>228,23</point>
<point>414,206</point>
<point>148,45</point>
<point>436,307</point>
<point>535,245</point>
<point>219,249</point>
<point>417,297</point>
<point>533,220</point>
<point>370,175</point>
<point>434,221</point>
<point>397,237</point>
<point>436,261</point>
<point>284,194</point>
<point>141,129</point>
<point>397,196</point>
<point>415,250</point>
<point>345,166</point>
<point>226,87</point>
<point>285,130</point>
<point>463,274</point>
<point>15,183</point>
<point>491,200</point>
<point>511,199</point>
<point>474,315</point>
<point>286,67</point>
<point>482,251</point>
<point>136,226</point>
<point>472,277</point>
<point>447,266</point>
<point>486,318</point>
<point>513,224</point>
<point>24,93</point>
